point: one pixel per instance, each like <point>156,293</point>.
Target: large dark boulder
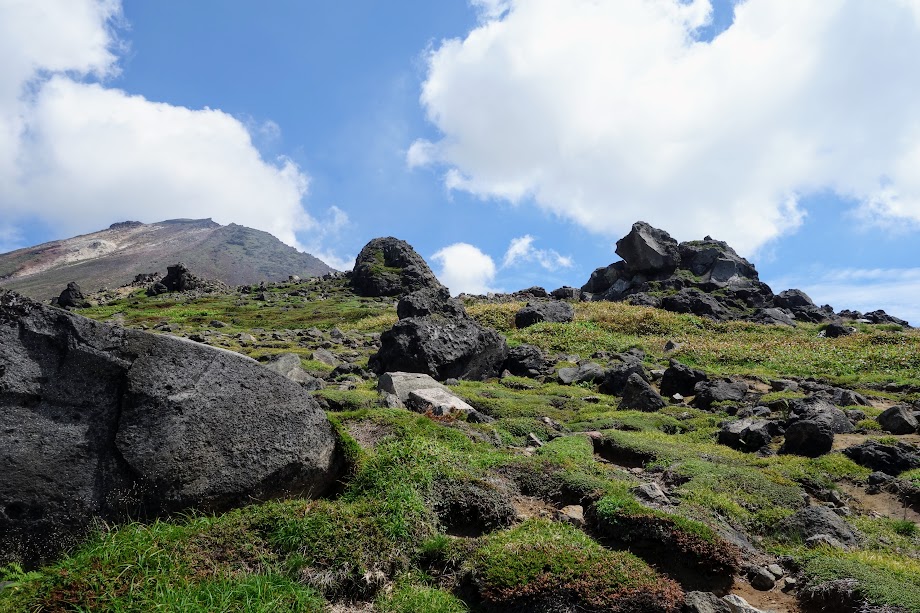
<point>898,420</point>
<point>527,361</point>
<point>747,434</point>
<point>816,409</point>
<point>440,340</point>
<point>616,376</point>
<point>890,459</point>
<point>72,297</point>
<point>680,379</point>
<point>553,311</point>
<point>808,437</point>
<point>793,299</point>
<point>692,300</point>
<point>881,317</point>
<point>390,267</point>
<point>648,249</point>
<point>638,395</point>
<point>817,520</point>
<point>603,278</point>
<point>102,422</point>
<point>709,393</point>
<point>714,261</point>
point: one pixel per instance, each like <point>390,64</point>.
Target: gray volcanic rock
<point>646,248</point>
<point>680,379</point>
<point>439,340</point>
<point>638,395</point>
<point>554,311</point>
<point>722,390</point>
<point>898,420</point>
<point>72,297</point>
<point>808,437</point>
<point>390,267</point>
<point>527,361</point>
<point>690,300</point>
<point>103,422</point>
<point>889,459</point>
<point>813,521</point>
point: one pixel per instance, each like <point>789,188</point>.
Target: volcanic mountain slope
<point>234,254</point>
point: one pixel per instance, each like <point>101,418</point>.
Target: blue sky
<point>511,143</point>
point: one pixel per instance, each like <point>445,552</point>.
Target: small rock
<point>534,440</point>
<point>762,579</point>
<point>573,514</point>
<point>640,396</point>
<point>820,540</point>
<point>776,570</point>
<point>898,420</point>
<point>651,492</point>
<point>737,604</point>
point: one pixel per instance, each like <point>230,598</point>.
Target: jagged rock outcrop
<point>390,267</point>
<point>180,279</point>
<point>706,278</point>
<point>435,336</point>
<point>99,421</point>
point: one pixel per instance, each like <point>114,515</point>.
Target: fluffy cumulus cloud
<point>522,251</point>
<point>77,154</point>
<point>465,269</point>
<point>608,112</point>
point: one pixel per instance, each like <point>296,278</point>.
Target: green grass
<point>883,579</point>
<point>542,563</point>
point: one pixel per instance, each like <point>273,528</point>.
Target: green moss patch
<point>545,566</point>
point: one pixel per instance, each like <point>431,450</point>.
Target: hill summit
<point>234,254</point>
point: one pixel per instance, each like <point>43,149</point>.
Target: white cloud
<point>521,250</point>
<point>327,231</point>
<point>80,155</point>
<point>10,238</point>
<point>465,269</point>
<point>896,290</point>
<point>608,112</point>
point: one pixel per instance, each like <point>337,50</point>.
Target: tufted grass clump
<point>658,536</point>
<point>881,578</point>
<point>541,566</point>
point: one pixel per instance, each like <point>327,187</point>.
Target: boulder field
<point>103,423</point>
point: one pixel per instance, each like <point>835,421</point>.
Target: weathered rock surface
<point>527,361</point>
<point>401,384</point>
<point>890,459</point>
<point>99,421</point>
<point>288,365</point>
<point>72,297</point>
<point>747,434</point>
<point>706,278</point>
<point>680,379</point>
<point>440,402</point>
<point>551,311</point>
<point>898,420</point>
<point>638,395</point>
<point>709,393</point>
<point>390,267</point>
<point>817,520</point>
<point>809,438</point>
<point>435,336</point>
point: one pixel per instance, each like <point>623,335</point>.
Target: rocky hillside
<point>233,254</point>
<point>543,454</point>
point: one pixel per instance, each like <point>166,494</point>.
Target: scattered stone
<point>589,372</point>
<point>288,364</point>
<point>835,330</point>
<point>534,440</point>
<point>747,434</point>
<point>898,420</point>
<point>680,379</point>
<point>737,604</point>
<point>651,492</point>
<point>326,357</point>
<point>762,579</point>
<point>616,376</point>
<point>823,540</point>
<point>638,395</point>
<point>890,459</point>
<point>72,297</point>
<point>527,361</point>
<point>444,343</point>
<point>390,267</point>
<point>438,401</point>
<point>776,570</point>
<point>566,293</point>
<point>818,520</point>
<point>573,514</point>
<point>809,438</point>
<point>555,311</point>
<point>401,384</point>
<point>705,602</point>
<point>721,390</point>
